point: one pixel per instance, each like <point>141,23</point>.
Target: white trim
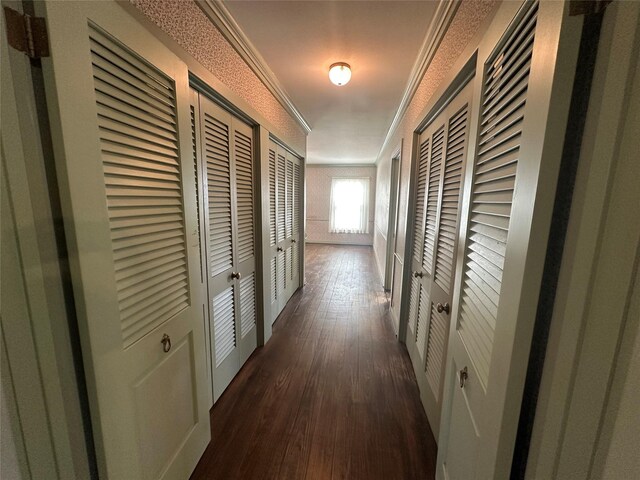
<point>584,354</point>
<point>441,20</point>
<point>224,21</point>
<point>338,243</point>
<point>395,324</point>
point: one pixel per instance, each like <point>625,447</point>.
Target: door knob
<point>418,274</point>
<point>236,275</point>
<point>279,249</point>
<point>293,240</point>
<point>443,308</point>
<point>464,374</point>
<point>166,343</point>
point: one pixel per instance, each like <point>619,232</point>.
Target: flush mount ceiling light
<point>340,73</point>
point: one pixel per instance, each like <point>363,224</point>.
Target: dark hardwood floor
<point>332,395</point>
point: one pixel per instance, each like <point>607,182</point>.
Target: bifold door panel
<point>120,118</point>
<point>440,167</point>
<point>225,158</point>
<point>520,109</point>
<point>285,200</point>
<point>504,95</point>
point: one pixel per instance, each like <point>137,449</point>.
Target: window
<point>349,205</point>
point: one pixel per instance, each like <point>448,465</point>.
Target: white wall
<point>318,180</point>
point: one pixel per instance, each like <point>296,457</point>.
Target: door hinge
<point>26,33</point>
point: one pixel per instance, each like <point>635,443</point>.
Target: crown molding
<point>441,20</point>
<point>224,21</point>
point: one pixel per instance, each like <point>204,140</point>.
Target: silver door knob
<point>293,240</point>
<point>236,275</point>
<point>443,308</point>
<point>279,249</point>
<point>418,274</point>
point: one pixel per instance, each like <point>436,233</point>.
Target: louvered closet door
<point>417,274</point>
<point>517,146</point>
<point>441,163</point>
<point>434,136</point>
<point>285,201</point>
<point>292,224</point>
<point>274,291</point>
<point>441,242</point>
<point>296,238</point>
<point>124,160</point>
<point>246,240</point>
<point>200,188</point>
<point>282,282</point>
<point>227,152</point>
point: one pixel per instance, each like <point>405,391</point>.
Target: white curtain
<point>349,205</point>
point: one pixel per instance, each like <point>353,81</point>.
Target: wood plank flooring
<point>332,395</point>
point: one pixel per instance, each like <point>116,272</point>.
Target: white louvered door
<point>296,240</point>
<point>245,260</point>
<point>441,161</point>
<point>226,152</point>
<point>281,236</point>
<point>119,110</point>
<point>417,273</point>
<point>201,189</point>
<point>292,223</point>
<point>285,202</point>
<point>445,233</point>
<point>524,73</point>
<point>274,254</point>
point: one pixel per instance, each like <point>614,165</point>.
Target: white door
<point>285,225</point>
<point>282,284</point>
<point>201,212</point>
<point>443,149</point>
<point>119,110</point>
<point>271,253</point>
<point>525,71</point>
<point>227,152</point>
<point>292,237</point>
<point>276,235</point>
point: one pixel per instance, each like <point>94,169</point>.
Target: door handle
<point>166,343</point>
<point>464,374</point>
<point>443,308</point>
<point>418,274</point>
<point>293,240</point>
<point>236,275</point>
<point>279,249</point>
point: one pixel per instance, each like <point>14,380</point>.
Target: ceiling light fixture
<point>340,73</point>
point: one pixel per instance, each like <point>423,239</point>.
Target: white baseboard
<point>325,242</point>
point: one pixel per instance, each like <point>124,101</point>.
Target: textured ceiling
<point>299,40</point>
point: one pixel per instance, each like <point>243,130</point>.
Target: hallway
<point>333,393</point>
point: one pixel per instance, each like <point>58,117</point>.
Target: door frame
<point>42,385</point>
<point>392,223</point>
<point>584,354</point>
